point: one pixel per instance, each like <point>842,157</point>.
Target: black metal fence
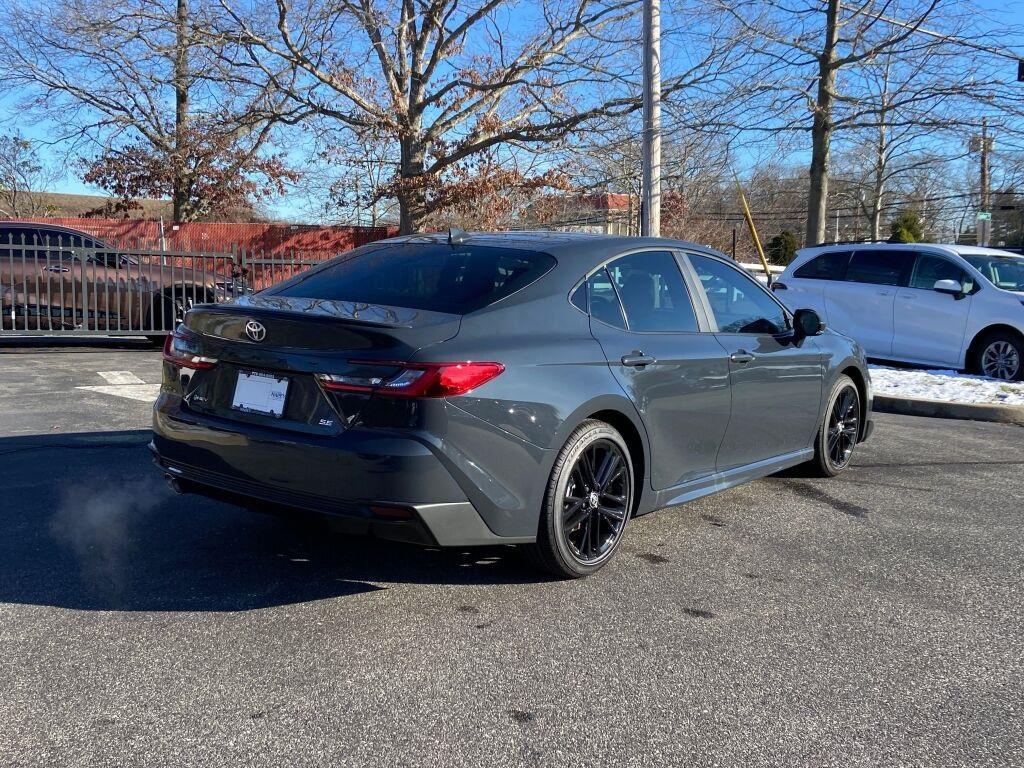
<point>52,287</point>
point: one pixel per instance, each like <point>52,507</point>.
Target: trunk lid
<point>294,339</point>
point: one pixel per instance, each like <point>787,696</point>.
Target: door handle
<point>883,293</point>
<point>638,359</point>
<point>742,357</point>
<point>57,269</point>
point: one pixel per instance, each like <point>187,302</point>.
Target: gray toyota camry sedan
<point>530,389</point>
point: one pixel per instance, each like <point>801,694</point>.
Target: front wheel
<point>587,505</point>
<point>1000,356</point>
<point>839,430</point>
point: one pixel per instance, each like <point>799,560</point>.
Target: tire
<point>833,450</point>
<point>162,314</point>
<point>601,504</point>
<point>999,355</point>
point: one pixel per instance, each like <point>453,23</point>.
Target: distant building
<point>607,213</point>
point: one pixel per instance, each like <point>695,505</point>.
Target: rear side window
<point>604,302</point>
<point>435,277</point>
<point>579,297</point>
<point>879,267</point>
<point>828,266</point>
<point>55,238</point>
<point>653,294</point>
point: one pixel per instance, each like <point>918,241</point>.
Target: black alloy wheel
<point>843,427</point>
<point>840,430</point>
<point>595,505</point>
<point>587,505</point>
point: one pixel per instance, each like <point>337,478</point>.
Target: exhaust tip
<point>175,485</point>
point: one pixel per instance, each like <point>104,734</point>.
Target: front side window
<point>828,266</point>
<point>1005,272</point>
<point>66,240</point>
<point>739,303</point>
<point>930,269</point>
<point>879,267</point>
<point>653,294</point>
<point>436,277</point>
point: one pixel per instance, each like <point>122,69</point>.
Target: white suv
<point>953,306</point>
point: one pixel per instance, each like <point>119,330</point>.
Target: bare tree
<point>817,53</point>
<point>450,80</point>
<point>137,85</point>
<point>22,177</point>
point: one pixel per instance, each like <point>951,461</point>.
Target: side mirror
<point>949,286</point>
<point>807,322</point>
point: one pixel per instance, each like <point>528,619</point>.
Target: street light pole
<point>650,223</point>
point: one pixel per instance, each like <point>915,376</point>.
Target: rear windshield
<point>436,277</point>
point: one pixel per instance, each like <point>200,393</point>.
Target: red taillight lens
<point>417,379</point>
<point>184,352</point>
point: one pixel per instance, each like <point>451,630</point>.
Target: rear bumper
<point>371,483</point>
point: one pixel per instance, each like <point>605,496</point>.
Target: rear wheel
<point>587,504</point>
<point>839,431</point>
<point>167,311</point>
<point>1000,355</point>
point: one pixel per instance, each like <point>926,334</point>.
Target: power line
<point>1006,54</point>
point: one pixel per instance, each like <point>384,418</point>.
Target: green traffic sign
<point>984,216</point>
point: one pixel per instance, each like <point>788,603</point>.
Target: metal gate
<point>77,287</point>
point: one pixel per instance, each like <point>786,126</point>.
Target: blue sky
<point>1011,11</point>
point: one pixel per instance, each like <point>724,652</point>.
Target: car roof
<point>573,248</point>
<point>805,254</point>
<point>977,250</point>
<point>54,227</point>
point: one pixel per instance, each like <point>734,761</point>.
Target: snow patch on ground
<point>946,386</point>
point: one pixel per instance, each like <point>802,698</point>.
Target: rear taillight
<point>184,352</point>
<point>416,379</point>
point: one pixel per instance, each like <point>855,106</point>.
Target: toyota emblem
<point>255,331</point>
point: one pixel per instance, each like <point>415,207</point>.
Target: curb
<point>1004,414</point>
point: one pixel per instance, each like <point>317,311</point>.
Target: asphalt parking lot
<point>874,619</point>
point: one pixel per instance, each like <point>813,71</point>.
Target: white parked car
<point>949,306</point>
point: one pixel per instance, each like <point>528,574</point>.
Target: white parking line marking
<point>120,377</point>
<point>145,393</point>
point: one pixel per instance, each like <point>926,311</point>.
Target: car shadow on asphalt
<point>87,522</point>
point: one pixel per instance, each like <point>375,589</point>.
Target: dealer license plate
<point>260,393</point>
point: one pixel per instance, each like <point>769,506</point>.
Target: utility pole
<point>650,206</point>
<point>984,163</point>
<point>983,145</point>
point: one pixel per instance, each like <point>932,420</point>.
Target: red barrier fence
<point>303,240</point>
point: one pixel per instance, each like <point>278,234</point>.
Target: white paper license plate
<point>260,393</point>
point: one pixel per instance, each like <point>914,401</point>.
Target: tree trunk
<point>876,217</point>
<point>821,130</point>
<point>881,164</point>
<point>179,195</point>
<point>412,197</point>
